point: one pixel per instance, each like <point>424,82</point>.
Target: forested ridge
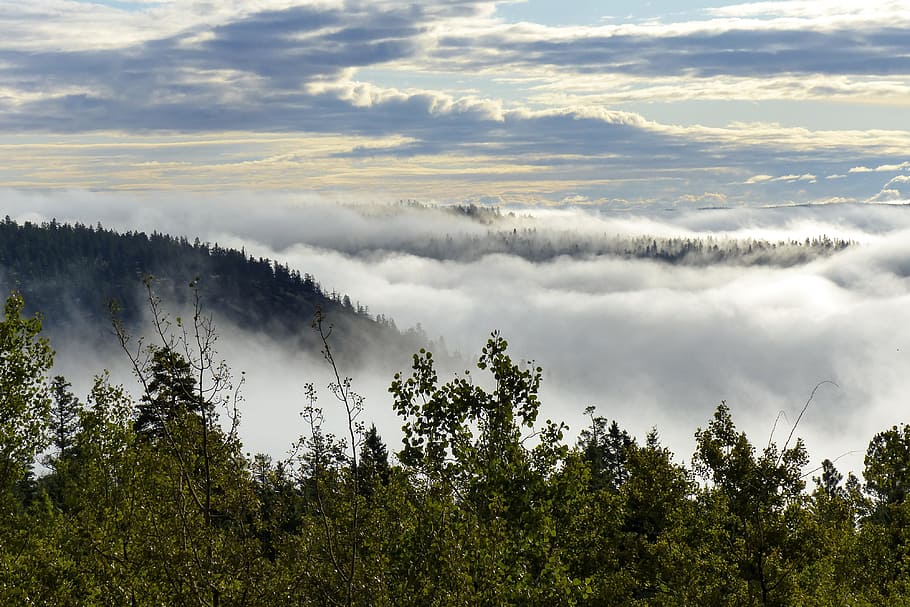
<point>150,498</point>
<point>72,272</point>
<point>538,246</point>
<point>535,240</point>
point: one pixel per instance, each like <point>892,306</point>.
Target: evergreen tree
<point>171,392</point>
<point>606,449</point>
<point>888,466</point>
<point>64,416</point>
<point>374,462</point>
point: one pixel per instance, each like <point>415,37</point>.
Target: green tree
<point>471,447</point>
<point>64,416</point>
<point>657,510</point>
<point>887,470</point>
<point>606,450</point>
<point>374,462</point>
<point>170,392</point>
<point>105,497</point>
<point>883,544</point>
<point>203,547</point>
<point>760,497</point>
<point>25,403</point>
<point>63,426</point>
<point>829,575</point>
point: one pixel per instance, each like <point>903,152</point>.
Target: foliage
<point>150,500</point>
<point>762,496</point>
<point>25,403</point>
<point>64,416</point>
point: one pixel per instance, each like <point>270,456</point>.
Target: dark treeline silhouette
<point>546,245</point>
<point>479,213</point>
<point>530,238</point>
<point>72,272</point>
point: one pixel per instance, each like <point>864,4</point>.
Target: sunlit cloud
<point>448,101</point>
<point>884,168</point>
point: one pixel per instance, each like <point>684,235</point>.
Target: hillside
<point>70,273</point>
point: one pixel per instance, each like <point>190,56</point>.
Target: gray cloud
<point>278,51</point>
<point>711,50</point>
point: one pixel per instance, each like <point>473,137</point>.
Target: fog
<point>648,343</point>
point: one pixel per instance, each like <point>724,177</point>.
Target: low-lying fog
<point>649,343</point>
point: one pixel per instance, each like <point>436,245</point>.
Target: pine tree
<point>374,462</point>
<point>64,416</point>
<point>605,449</point>
<point>171,391</point>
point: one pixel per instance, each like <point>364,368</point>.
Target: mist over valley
<point>653,317</point>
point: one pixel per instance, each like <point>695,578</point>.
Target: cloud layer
<point>648,343</point>
<point>448,101</point>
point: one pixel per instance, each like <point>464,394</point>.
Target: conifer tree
<point>64,416</point>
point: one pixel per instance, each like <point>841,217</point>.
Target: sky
<point>620,104</point>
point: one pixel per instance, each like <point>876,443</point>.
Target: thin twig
<point>801,413</point>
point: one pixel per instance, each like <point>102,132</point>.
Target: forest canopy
<point>72,272</point>
<point>149,498</point>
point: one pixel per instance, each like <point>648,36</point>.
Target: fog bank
<point>649,343</point>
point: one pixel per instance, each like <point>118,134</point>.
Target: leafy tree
<point>761,498</point>
<point>106,497</point>
<point>204,543</point>
<point>467,442</point>
<point>25,403</point>
<point>459,431</point>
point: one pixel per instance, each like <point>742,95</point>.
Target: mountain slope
<point>70,273</point>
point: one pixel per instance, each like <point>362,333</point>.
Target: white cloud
<point>650,344</point>
<point>879,11</point>
<point>611,88</point>
<point>882,168</point>
<point>705,198</point>
<point>785,178</point>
